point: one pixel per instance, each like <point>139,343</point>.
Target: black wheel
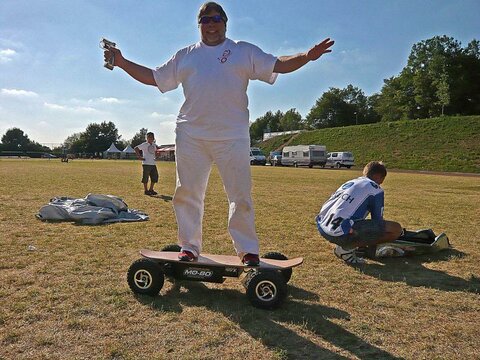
<point>338,165</point>
<point>266,289</point>
<point>287,273</point>
<point>145,277</point>
<point>172,248</point>
<point>349,166</point>
<point>295,164</point>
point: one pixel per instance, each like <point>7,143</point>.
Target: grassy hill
<point>436,144</point>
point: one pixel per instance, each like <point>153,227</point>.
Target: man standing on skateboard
<point>213,123</point>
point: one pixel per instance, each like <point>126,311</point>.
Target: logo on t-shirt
<point>347,185</point>
<point>225,56</point>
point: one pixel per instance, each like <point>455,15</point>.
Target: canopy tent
<point>127,152</point>
<point>112,151</point>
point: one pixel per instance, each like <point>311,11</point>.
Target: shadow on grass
<point>411,271</point>
<point>165,198</point>
<point>274,328</point>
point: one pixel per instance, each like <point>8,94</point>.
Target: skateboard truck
<point>107,45</point>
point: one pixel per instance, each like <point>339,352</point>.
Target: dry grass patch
<point>69,299</point>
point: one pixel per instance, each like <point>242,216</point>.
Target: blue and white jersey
<point>351,202</point>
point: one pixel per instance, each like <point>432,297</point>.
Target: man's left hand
<point>318,50</point>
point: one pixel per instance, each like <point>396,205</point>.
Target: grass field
<point>69,298</point>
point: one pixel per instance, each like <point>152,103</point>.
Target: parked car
<point>340,159</point>
<point>275,158</point>
<point>257,157</point>
<point>304,155</point>
<point>48,156</point>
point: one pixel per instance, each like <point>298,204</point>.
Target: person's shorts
<point>366,231</point>
<point>150,171</point>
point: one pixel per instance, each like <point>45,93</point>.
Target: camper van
<point>340,159</point>
<point>304,155</point>
<point>257,157</point>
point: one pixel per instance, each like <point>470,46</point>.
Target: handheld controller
<point>106,45</point>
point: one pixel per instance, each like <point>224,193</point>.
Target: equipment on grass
<point>266,284</point>
<point>408,244</point>
<point>107,45</point>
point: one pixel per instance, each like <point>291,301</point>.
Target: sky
<point>53,83</point>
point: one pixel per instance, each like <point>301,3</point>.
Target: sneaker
<point>251,259</point>
<point>148,192</point>
<point>153,192</point>
<point>348,256</point>
<point>186,255</point>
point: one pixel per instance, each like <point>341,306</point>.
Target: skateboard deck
<point>221,260</point>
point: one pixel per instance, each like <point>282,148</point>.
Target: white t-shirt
<point>352,201</point>
<point>215,81</point>
<point>148,151</point>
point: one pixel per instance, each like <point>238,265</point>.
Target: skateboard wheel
<point>287,273</point>
<point>266,289</point>
<point>145,277</point>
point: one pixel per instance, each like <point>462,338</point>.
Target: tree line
<point>440,78</point>
<point>94,140</point>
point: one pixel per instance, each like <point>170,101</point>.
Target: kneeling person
<point>342,219</point>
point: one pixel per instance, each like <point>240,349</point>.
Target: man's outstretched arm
<point>136,71</point>
<point>286,64</point>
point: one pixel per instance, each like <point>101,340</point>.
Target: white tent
<point>129,150</point>
<point>126,153</point>
<point>112,151</point>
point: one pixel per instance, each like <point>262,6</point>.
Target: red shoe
<point>251,259</point>
<point>186,255</point>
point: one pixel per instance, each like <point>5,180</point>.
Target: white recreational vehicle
<point>304,155</point>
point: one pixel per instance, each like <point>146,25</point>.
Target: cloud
<point>164,117</point>
<point>104,100</point>
<point>7,55</point>
<point>75,109</point>
<point>18,93</point>
<point>110,100</point>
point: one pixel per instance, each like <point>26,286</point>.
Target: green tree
<point>291,120</point>
<point>74,144</point>
<point>443,91</point>
<point>98,137</point>
<point>16,140</point>
<point>139,137</point>
<point>440,78</point>
<point>269,122</point>
<point>339,107</point>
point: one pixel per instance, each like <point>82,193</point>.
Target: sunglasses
<point>208,19</point>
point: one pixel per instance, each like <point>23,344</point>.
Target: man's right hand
<point>138,72</point>
<point>118,57</point>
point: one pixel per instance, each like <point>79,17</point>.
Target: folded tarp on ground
<point>93,209</point>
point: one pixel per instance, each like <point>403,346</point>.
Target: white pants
<point>194,159</point>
